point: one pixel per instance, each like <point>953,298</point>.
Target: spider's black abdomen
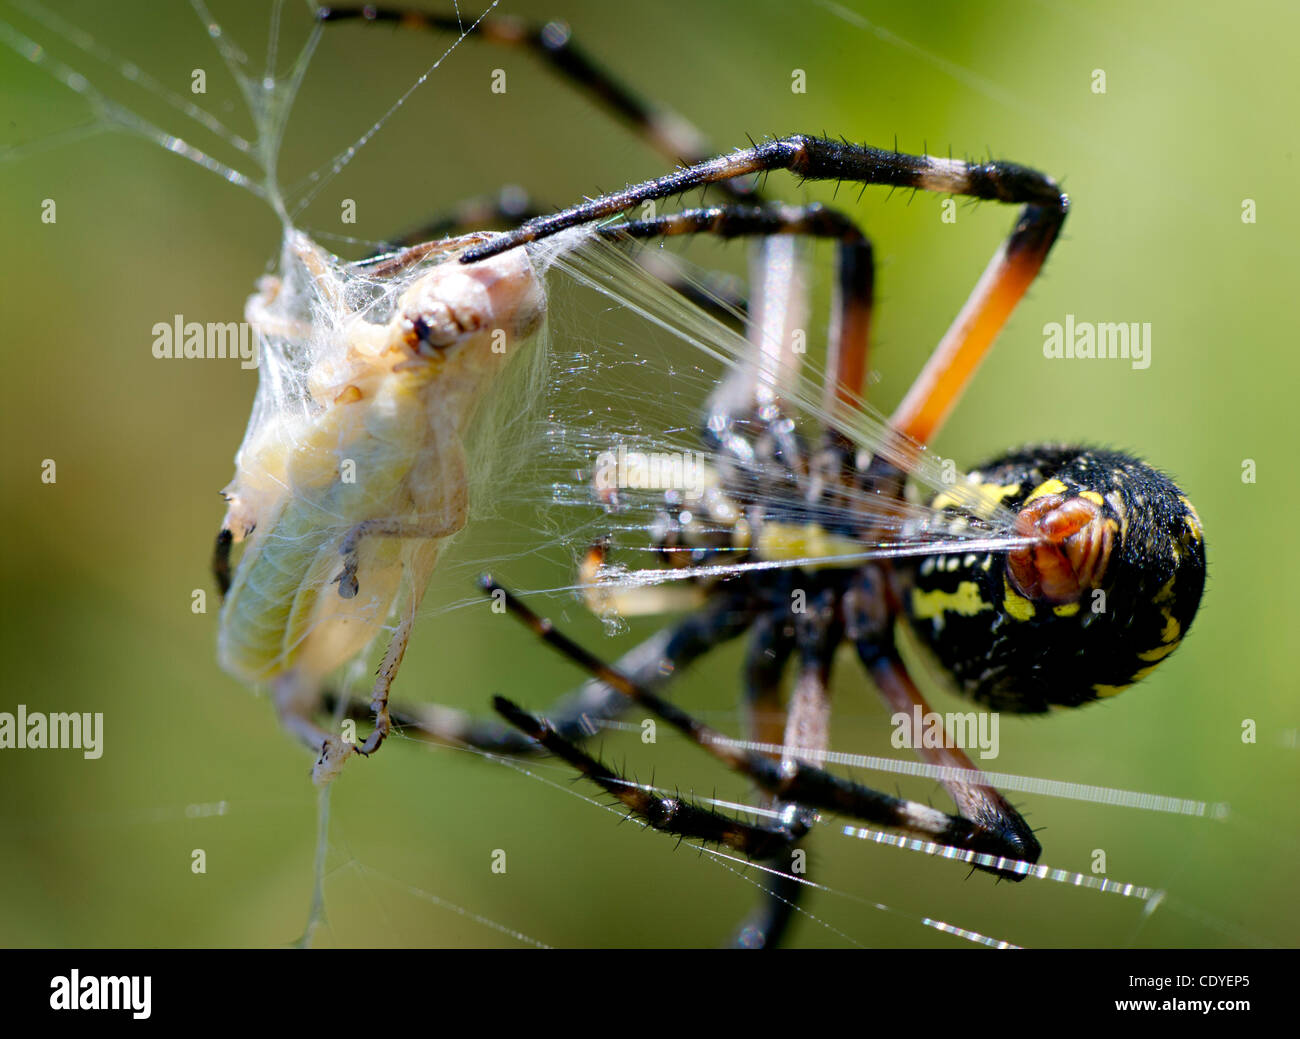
<point>1109,592</point>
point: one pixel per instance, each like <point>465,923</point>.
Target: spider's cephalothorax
<point>1094,607</point>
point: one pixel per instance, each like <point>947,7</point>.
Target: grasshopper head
<point>469,316</point>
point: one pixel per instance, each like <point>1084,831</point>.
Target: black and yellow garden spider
<point>1102,585</point>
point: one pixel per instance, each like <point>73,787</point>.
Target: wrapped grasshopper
<point>353,472</point>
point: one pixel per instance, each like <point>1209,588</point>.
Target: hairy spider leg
<point>791,779</point>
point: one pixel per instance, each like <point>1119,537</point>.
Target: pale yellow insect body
<point>352,474</point>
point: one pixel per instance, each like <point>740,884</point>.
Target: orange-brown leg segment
<point>954,361</point>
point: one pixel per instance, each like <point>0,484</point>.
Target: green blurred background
<point>99,568</point>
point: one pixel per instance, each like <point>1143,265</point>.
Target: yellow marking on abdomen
<point>1173,631</point>
<point>1052,486</point>
<point>1159,653</point>
<point>965,601</point>
<point>990,497</point>
<point>1016,605</point>
<point>1193,519</point>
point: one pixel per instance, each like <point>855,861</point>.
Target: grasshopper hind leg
<point>296,699</point>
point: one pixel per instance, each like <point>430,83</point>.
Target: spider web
<point>410,842</point>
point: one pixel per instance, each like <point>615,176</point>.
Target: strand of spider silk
<point>366,871</point>
<point>960,932</point>
<point>946,851</point>
<point>1187,911</point>
<point>311,185</point>
<point>1150,896</point>
<point>113,115</point>
<point>316,911</point>
<point>317,914</point>
<point>716,854</point>
<point>1284,845</point>
<point>273,40</point>
<point>719,859</point>
<point>437,900</point>
<point>1108,796</point>
<point>1215,923</point>
<point>268,100</point>
<point>623,578</point>
<point>132,73</point>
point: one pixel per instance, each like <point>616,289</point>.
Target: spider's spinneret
<point>1093,608</point>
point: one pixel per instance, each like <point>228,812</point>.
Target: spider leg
<point>870,617</point>
<point>675,815</point>
<point>770,645</point>
<point>854,263</point>
<point>751,391</point>
<point>773,638</point>
<point>667,132</point>
<point>508,207</point>
<point>817,632</point>
<point>854,267</point>
<point>1004,282</point>
<point>744,220</point>
<point>792,779</point>
<point>734,411</point>
<point>817,158</point>
<point>669,814</point>
<point>713,293</point>
<point>760,456</point>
